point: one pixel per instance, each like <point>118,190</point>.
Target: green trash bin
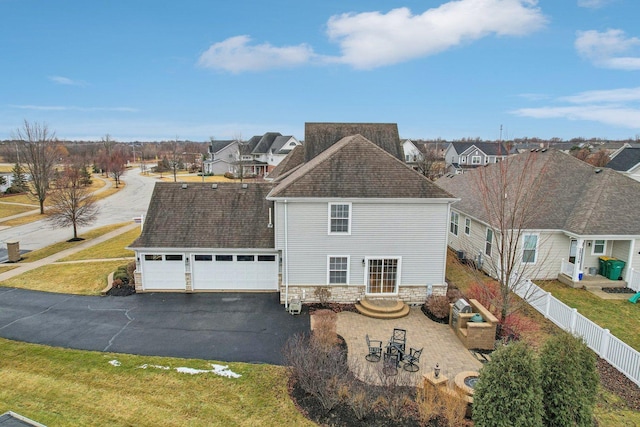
<point>604,265</point>
<point>614,268</point>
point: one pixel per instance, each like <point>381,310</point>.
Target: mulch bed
<point>618,290</point>
<point>333,306</point>
<point>616,382</point>
<point>430,315</point>
<point>122,291</point>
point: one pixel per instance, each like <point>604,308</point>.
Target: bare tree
<point>116,163</point>
<point>108,145</point>
<point>599,159</point>
<point>38,150</point>
<point>71,203</point>
<point>504,192</point>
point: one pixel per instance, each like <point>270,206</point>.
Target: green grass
<point>60,246</point>
<point>7,209</point>
<point>112,248</point>
<point>621,317</point>
<point>86,278</point>
<point>60,387</point>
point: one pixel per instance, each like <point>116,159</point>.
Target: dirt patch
<point>122,291</point>
<point>616,382</point>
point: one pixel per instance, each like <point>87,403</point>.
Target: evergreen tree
<point>18,179</point>
<point>508,392</point>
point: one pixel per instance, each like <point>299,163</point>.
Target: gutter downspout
<point>632,249</point>
<point>286,255</point>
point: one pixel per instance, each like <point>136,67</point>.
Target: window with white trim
<point>338,270</point>
<point>453,226</point>
<point>475,160</point>
<point>599,247</point>
<point>339,218</point>
<point>467,226</point>
<point>529,248</point>
<point>488,242</point>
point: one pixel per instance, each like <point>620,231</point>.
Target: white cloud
<point>615,107</point>
<point>373,39</point>
<point>66,81</point>
<point>236,54</point>
<point>593,4</point>
<point>609,49</point>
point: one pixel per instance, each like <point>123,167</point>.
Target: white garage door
<point>235,272</point>
<point>163,272</point>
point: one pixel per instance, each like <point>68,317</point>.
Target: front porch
<point>568,276</point>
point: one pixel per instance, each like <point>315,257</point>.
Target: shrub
<point>516,325</point>
<point>324,329</point>
<point>509,391</point>
<point>323,294</point>
<point>453,293</point>
<point>117,283</point>
<point>438,306</point>
<point>131,268</point>
<point>569,381</point>
<point>488,294</point>
<point>229,175</point>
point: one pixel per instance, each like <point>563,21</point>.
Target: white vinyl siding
<point>419,238</point>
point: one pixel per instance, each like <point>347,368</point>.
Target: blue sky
<point>157,70</point>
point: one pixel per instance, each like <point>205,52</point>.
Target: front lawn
<point>112,248</point>
<point>60,387</point>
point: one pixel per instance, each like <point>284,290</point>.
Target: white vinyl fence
<point>607,346</point>
<point>634,282</point>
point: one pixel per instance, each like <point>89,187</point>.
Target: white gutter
<point>286,255</point>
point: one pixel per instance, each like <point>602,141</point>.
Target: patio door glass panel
<point>383,276</point>
<point>573,249</point>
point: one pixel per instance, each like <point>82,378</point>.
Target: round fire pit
<point>466,381</point>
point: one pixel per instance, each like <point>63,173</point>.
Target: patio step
<point>382,308</point>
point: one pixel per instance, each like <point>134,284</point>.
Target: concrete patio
<point>440,345</point>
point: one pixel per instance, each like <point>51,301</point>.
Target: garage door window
<point>224,257</point>
<point>173,257</point>
<point>153,257</point>
<point>266,257</point>
<point>203,257</point>
<point>245,257</point>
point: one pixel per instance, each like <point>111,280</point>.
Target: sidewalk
<point>23,268</point>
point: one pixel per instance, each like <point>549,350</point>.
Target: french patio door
<point>382,275</point>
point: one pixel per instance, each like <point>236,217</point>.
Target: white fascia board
<point>364,199</point>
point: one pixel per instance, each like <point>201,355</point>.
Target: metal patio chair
<point>411,360</point>
<point>375,349</point>
<point>398,339</point>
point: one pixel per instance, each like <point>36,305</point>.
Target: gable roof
<point>320,136</point>
<point>217,145</point>
<point>265,142</point>
<point>488,148</point>
<point>279,147</point>
<point>293,160</point>
<point>200,216</point>
<point>625,160</point>
<point>355,167</point>
<point>567,194</point>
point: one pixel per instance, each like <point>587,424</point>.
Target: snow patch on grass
<point>221,370</point>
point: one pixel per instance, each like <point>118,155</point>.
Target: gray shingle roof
<point>265,142</point>
<point>355,167</point>
<point>489,148</point>
<point>625,160</point>
<point>563,193</point>
<point>294,159</point>
<point>202,217</point>
<point>320,136</point>
<point>218,145</point>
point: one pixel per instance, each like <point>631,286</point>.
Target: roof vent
<point>245,186</point>
<point>598,170</point>
<point>184,186</point>
<point>544,150</point>
<point>533,149</point>
<point>214,186</point>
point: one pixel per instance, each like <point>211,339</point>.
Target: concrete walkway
<point>439,343</point>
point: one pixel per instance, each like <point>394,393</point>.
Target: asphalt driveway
<point>228,327</point>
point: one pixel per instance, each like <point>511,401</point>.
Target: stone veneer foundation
<point>352,294</point>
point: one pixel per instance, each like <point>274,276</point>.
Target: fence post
<point>574,318</point>
<point>604,344</point>
<point>547,306</point>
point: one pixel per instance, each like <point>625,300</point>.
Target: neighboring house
<point>222,157</point>
<point>261,154</point>
<point>412,154</point>
<point>463,156</point>
<point>627,161</point>
<point>350,218</point>
<point>576,213</point>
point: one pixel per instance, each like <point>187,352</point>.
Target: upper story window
<point>453,226</point>
<point>467,226</point>
<point>599,247</point>
<point>530,248</point>
<point>489,242</point>
<point>339,218</point>
<point>475,160</point>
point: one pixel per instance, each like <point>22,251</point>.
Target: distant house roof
<point>294,159</point>
<point>217,145</point>
<point>567,194</point>
<point>355,167</point>
<point>489,148</point>
<point>278,145</point>
<point>320,136</point>
<point>625,160</point>
<point>200,216</point>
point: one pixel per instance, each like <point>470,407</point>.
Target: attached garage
<point>163,271</point>
<point>250,272</point>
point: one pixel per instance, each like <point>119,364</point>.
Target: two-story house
<point>351,218</point>
<point>222,157</point>
<point>462,156</point>
<point>262,153</point>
